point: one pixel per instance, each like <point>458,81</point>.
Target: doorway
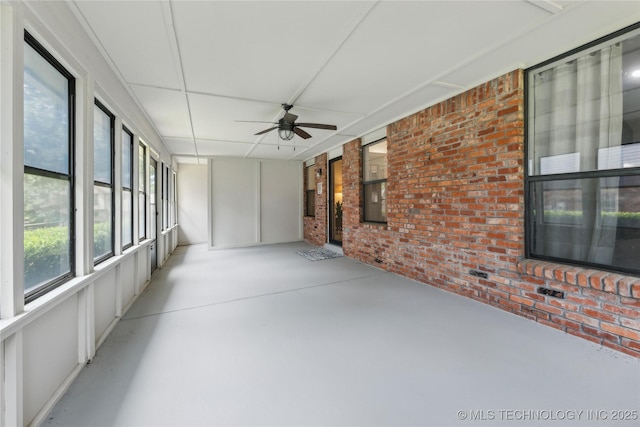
<point>335,201</point>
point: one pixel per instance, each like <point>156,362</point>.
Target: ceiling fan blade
<point>266,130</point>
<point>253,121</point>
<point>317,126</point>
<point>301,133</point>
<point>289,118</point>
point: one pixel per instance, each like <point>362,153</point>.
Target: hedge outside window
<point>310,207</point>
<point>127,188</point>
<point>102,183</point>
<point>583,153</point>
<point>48,171</point>
<point>374,180</point>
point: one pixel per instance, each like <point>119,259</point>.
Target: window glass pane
<point>311,203</point>
<point>102,220</point>
<point>583,111</point>
<point>46,114</point>
<point>311,178</point>
<point>47,221</point>
<point>375,202</point>
<point>375,161</point>
<point>142,182</point>
<point>152,183</point>
<point>142,186</point>
<point>142,232</point>
<point>591,220</point>
<point>127,218</point>
<point>101,146</point>
<point>126,159</point>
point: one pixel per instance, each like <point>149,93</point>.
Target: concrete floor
<point>262,336</point>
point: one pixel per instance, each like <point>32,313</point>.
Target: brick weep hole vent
<point>455,202</point>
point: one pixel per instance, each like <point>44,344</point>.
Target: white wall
<point>192,204</point>
<point>254,202</point>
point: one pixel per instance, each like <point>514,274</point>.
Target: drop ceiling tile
<point>263,151</point>
<point>218,117</point>
<point>259,50</point>
<point>181,146</point>
<point>168,110</point>
<point>565,33</point>
<point>186,159</point>
<point>402,45</point>
<point>221,148</point>
<point>135,36</point>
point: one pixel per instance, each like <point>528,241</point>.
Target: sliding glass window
<point>583,155</point>
<point>103,202</point>
<point>48,171</point>
<point>127,188</point>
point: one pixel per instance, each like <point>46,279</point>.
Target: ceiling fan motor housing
<point>285,125</point>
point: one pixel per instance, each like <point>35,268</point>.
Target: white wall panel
<point>143,270</point>
<point>280,205</point>
<point>192,204</point>
<point>105,301</point>
<point>234,202</point>
<point>50,354</point>
<point>254,202</point>
<point>128,280</point>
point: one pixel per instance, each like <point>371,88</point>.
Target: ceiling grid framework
<point>199,69</point>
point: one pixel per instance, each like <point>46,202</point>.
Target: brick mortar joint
<point>608,282</point>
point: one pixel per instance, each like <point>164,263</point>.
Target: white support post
<point>13,394</point>
<point>11,160</point>
<point>84,175</point>
<point>117,185</point>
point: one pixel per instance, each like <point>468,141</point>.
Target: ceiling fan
<point>287,126</point>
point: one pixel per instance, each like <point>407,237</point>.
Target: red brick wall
<point>315,228</point>
<point>455,202</point>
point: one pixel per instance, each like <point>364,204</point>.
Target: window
<point>127,188</point>
<point>165,197</point>
<point>142,195</point>
<point>153,176</point>
<point>310,206</point>
<point>48,171</point>
<point>583,155</point>
<point>174,198</point>
<point>374,180</point>
<point>103,218</point>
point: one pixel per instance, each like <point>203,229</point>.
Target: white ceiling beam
<point>167,12</point>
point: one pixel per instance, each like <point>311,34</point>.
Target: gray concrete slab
<point>262,336</point>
